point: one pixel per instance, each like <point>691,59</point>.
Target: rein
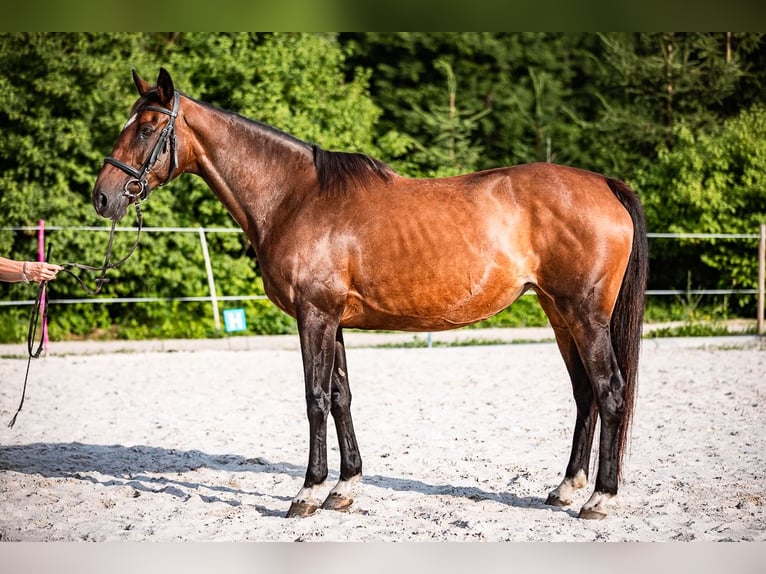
<point>101,279</point>
<point>34,321</point>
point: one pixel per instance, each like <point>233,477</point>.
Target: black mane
<point>337,170</point>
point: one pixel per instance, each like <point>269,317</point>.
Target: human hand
<point>40,271</point>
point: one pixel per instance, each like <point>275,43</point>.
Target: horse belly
<point>434,293</point>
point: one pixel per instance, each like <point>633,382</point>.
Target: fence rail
<point>214,298</point>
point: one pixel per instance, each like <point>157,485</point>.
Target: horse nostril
<point>100,202</point>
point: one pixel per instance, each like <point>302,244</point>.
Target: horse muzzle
<point>110,205</point>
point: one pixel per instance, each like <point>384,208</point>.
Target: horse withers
<point>343,240</point>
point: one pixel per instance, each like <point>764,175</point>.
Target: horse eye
<point>145,131</point>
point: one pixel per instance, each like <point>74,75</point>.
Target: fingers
<point>42,271</point>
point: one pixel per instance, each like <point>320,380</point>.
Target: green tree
<point>447,132</point>
<point>710,182</point>
<point>647,83</point>
<point>57,113</point>
<point>528,86</point>
<point>663,111</point>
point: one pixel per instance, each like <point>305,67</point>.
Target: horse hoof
<point>301,509</point>
<point>554,500</point>
<point>591,514</point>
<point>337,502</point>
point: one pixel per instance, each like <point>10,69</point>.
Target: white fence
<point>214,298</point>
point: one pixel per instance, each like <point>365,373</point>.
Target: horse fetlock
<point>563,493</point>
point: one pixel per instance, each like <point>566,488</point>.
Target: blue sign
<point>234,320</point>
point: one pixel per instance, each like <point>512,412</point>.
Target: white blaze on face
<point>130,121</point>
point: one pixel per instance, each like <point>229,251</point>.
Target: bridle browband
<point>167,137</point>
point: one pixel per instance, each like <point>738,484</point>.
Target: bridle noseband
<point>167,137</point>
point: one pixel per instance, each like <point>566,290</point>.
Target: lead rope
<point>34,319</point>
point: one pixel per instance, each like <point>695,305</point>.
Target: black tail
<point>627,319</point>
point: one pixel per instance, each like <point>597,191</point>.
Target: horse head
<point>145,155</point>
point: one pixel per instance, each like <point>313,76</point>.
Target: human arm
<point>13,271</point>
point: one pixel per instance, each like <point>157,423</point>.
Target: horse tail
<point>627,318</point>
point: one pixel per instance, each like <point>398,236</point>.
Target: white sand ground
<point>207,441</point>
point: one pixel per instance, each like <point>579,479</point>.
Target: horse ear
<point>165,87</point>
<point>141,85</point>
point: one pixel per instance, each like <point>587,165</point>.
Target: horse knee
<point>318,404</point>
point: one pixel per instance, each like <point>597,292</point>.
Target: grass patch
<point>694,329</point>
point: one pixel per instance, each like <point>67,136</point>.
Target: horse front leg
<point>317,333</point>
<point>350,459</point>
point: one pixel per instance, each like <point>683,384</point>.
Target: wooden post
<point>761,276</point>
<point>210,279</point>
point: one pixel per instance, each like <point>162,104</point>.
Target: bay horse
<point>344,241</point>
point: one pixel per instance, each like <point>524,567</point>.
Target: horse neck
<point>258,172</point>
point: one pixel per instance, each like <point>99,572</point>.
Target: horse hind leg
<point>577,470</point>
<point>576,473</point>
<point>340,497</point>
<point>609,387</point>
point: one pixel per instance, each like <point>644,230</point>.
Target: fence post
<point>761,276</point>
<point>210,279</point>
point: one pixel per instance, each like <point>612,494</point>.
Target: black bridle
<point>167,139</point>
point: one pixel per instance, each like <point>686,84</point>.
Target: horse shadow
<point>149,469</point>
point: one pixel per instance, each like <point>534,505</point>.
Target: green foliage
<point>651,81</point>
<point>712,182</point>
<point>449,131</point>
<point>517,88</point>
<point>525,312</point>
<point>295,82</point>
<point>15,323</point>
<point>690,329</point>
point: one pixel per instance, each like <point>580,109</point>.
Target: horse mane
<point>338,171</point>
